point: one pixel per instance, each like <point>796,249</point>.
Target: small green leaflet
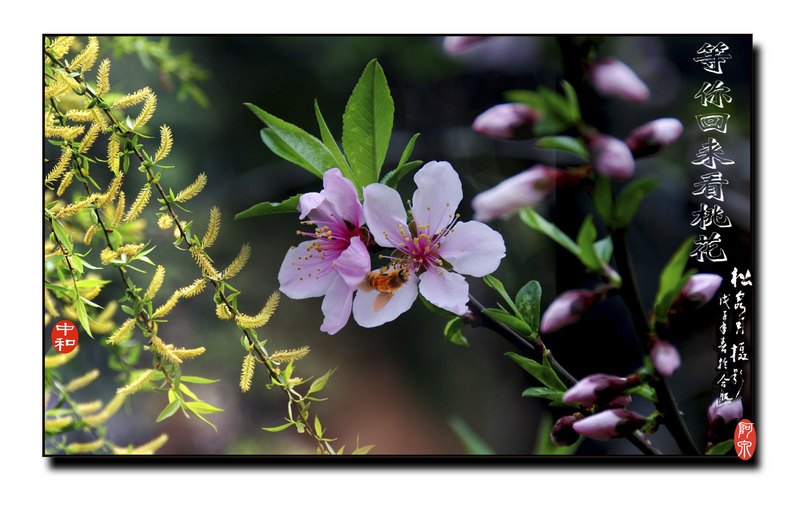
<point>287,206</point>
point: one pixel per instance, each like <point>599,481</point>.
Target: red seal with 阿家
<point>744,439</point>
<point>64,336</point>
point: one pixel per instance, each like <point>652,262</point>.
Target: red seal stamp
<point>64,336</point>
<point>744,439</point>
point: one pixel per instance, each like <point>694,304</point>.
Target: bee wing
<point>381,300</point>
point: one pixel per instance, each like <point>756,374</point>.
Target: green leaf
<point>452,331</point>
<point>572,101</point>
<point>407,151</point>
<point>556,104</point>
<point>644,390</point>
<point>202,407</point>
<point>720,448</point>
<point>363,450</point>
<point>604,248</point>
<point>500,288</point>
<point>604,199</point>
<point>529,304</point>
<point>367,124</point>
<point>80,309</point>
<point>586,237</point>
<point>317,426</point>
<point>672,280</point>
<point>330,143</point>
<point>287,206</point>
<point>435,309</point>
<point>198,380</point>
<point>62,235</point>
<point>471,441</point>
<point>530,217</point>
<point>564,143</point>
<point>277,429</point>
<point>169,410</point>
<point>631,197</point>
<point>544,393</point>
<point>393,177</point>
<point>541,372</point>
<point>512,322</point>
<point>319,384</point>
<point>293,143</point>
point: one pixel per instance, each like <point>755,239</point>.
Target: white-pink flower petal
<point>336,306</point>
<point>299,276</point>
<point>353,264</point>
<point>385,215</point>
<point>437,197</point>
<point>343,196</point>
<point>370,310</point>
<point>446,290</point>
<point>472,248</point>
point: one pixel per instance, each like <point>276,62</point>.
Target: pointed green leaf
<point>672,280</point>
<point>529,305</point>
<point>393,177</point>
<point>198,380</point>
<point>541,372</point>
<point>501,289</point>
<point>586,237</point>
<point>512,322</point>
<point>80,309</point>
<point>532,218</point>
<point>293,143</point>
<point>169,410</point>
<point>604,248</point>
<point>319,384</point>
<point>202,407</point>
<point>330,143</point>
<point>604,199</point>
<point>363,450</point>
<point>452,331</point>
<point>564,143</point>
<point>287,206</point>
<point>572,101</point>
<point>631,197</point>
<point>471,441</point>
<point>544,393</point>
<point>276,429</point>
<point>367,124</point>
<point>721,448</point>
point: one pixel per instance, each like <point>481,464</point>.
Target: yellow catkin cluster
<point>248,368</point>
<point>155,283</point>
<point>132,99</point>
<point>167,307</point>
<point>193,189</point>
<point>204,263</point>
<point>87,57</point>
<point>61,46</point>
<point>193,289</point>
<point>67,133</point>
<point>130,250</point>
<point>123,332</point>
<point>89,139</point>
<point>85,447</point>
<point>145,449</point>
<point>90,407</point>
<point>65,183</point>
<point>223,312</point>
<point>238,263</point>
<point>293,382</point>
<point>287,355</point>
<point>112,153</point>
<point>89,235</point>
<point>137,384</point>
<point>166,144</point>
<point>177,233</point>
<point>57,424</point>
<point>147,112</point>
<point>51,362</point>
<point>262,317</point>
<point>103,77</point>
<point>139,203</point>
<point>188,354</point>
<point>60,167</point>
<point>165,221</point>
<point>60,85</point>
<point>119,211</point>
<point>111,408</point>
<point>212,231</point>
<point>74,208</point>
<point>80,115</point>
<point>113,189</point>
<point>82,381</point>
<point>107,255</point>
<point>165,350</point>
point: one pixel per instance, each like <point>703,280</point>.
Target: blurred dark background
<point>398,386</point>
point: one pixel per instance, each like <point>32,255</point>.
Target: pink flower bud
<point>611,157</point>
<point>613,78</point>
<point>699,290</point>
<point>609,424</point>
<point>562,432</point>
<point>654,136</point>
<point>522,190</point>
<point>566,309</point>
<point>665,357</point>
<point>598,389</point>
<point>510,121</point>
<point>725,413</point>
<point>456,44</point>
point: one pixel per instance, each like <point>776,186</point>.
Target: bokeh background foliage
<point>400,386</point>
